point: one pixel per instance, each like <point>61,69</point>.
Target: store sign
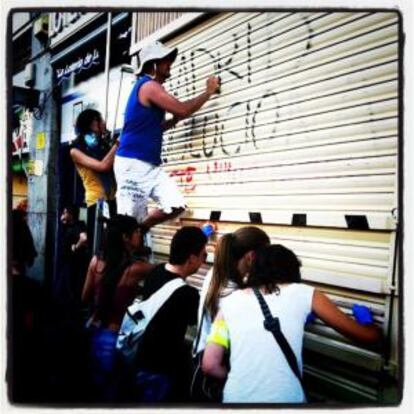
<point>85,63</point>
<point>62,25</point>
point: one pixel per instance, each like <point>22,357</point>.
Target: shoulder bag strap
<point>200,327</point>
<point>159,297</point>
<point>272,324</point>
<point>197,341</point>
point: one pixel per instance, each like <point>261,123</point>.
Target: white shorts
<point>137,181</point>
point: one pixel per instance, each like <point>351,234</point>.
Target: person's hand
<point>213,84</point>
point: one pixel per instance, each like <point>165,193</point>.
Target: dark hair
<point>116,258</point>
<point>148,66</point>
<point>274,264</point>
<point>85,119</point>
<point>230,249</point>
<point>186,241</point>
<point>83,127</point>
<point>73,210</point>
<point>23,249</point>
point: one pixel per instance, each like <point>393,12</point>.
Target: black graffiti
<point>308,44</point>
<point>222,142</point>
<point>219,66</point>
<point>267,94</point>
<point>310,35</point>
<point>249,53</point>
<point>212,127</point>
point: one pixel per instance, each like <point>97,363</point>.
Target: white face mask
<point>91,140</point>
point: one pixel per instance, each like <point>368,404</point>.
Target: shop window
<point>21,51</point>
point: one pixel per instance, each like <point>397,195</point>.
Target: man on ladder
<point>138,158</point>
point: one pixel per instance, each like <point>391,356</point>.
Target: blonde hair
<point>230,249</point>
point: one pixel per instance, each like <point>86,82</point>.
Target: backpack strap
<point>158,298</point>
<point>198,337</point>
<point>272,324</point>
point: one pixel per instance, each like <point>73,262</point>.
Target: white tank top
<point>259,371</point>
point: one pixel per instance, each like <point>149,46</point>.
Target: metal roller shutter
<point>145,23</point>
<point>306,122</point>
<point>350,267</point>
<point>303,141</point>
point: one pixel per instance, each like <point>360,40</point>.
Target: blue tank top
<point>141,136</point>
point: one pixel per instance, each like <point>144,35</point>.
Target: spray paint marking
<point>211,128</point>
<point>185,177</point>
<point>219,167</point>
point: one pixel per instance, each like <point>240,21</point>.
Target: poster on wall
<point>91,94</point>
<point>77,109</point>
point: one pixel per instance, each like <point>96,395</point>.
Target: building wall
<point>42,183</point>
<point>91,94</point>
<point>303,141</point>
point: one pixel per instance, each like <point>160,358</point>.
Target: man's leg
<point>90,228</point>
<point>169,198</point>
<point>133,189</point>
<point>158,216</point>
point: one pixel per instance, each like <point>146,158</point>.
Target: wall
<point>42,181</point>
<point>303,141</point>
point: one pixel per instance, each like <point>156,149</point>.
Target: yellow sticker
<point>40,140</point>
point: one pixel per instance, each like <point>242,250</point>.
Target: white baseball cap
<point>154,51</point>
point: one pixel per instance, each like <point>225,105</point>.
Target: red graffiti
<point>185,177</point>
<point>219,167</point>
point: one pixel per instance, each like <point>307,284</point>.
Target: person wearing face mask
<point>93,157</point>
<point>138,158</point>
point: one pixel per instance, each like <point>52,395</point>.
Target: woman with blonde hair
<point>234,256</point>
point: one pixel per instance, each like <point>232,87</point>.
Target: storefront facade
<point>303,142</point>
<point>79,61</point>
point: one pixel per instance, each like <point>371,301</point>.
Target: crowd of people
<point>252,295</point>
<point>237,350</point>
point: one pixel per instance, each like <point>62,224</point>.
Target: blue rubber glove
<point>207,229</point>
<point>362,314</point>
<point>311,318</point>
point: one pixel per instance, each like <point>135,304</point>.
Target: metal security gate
<point>302,141</point>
